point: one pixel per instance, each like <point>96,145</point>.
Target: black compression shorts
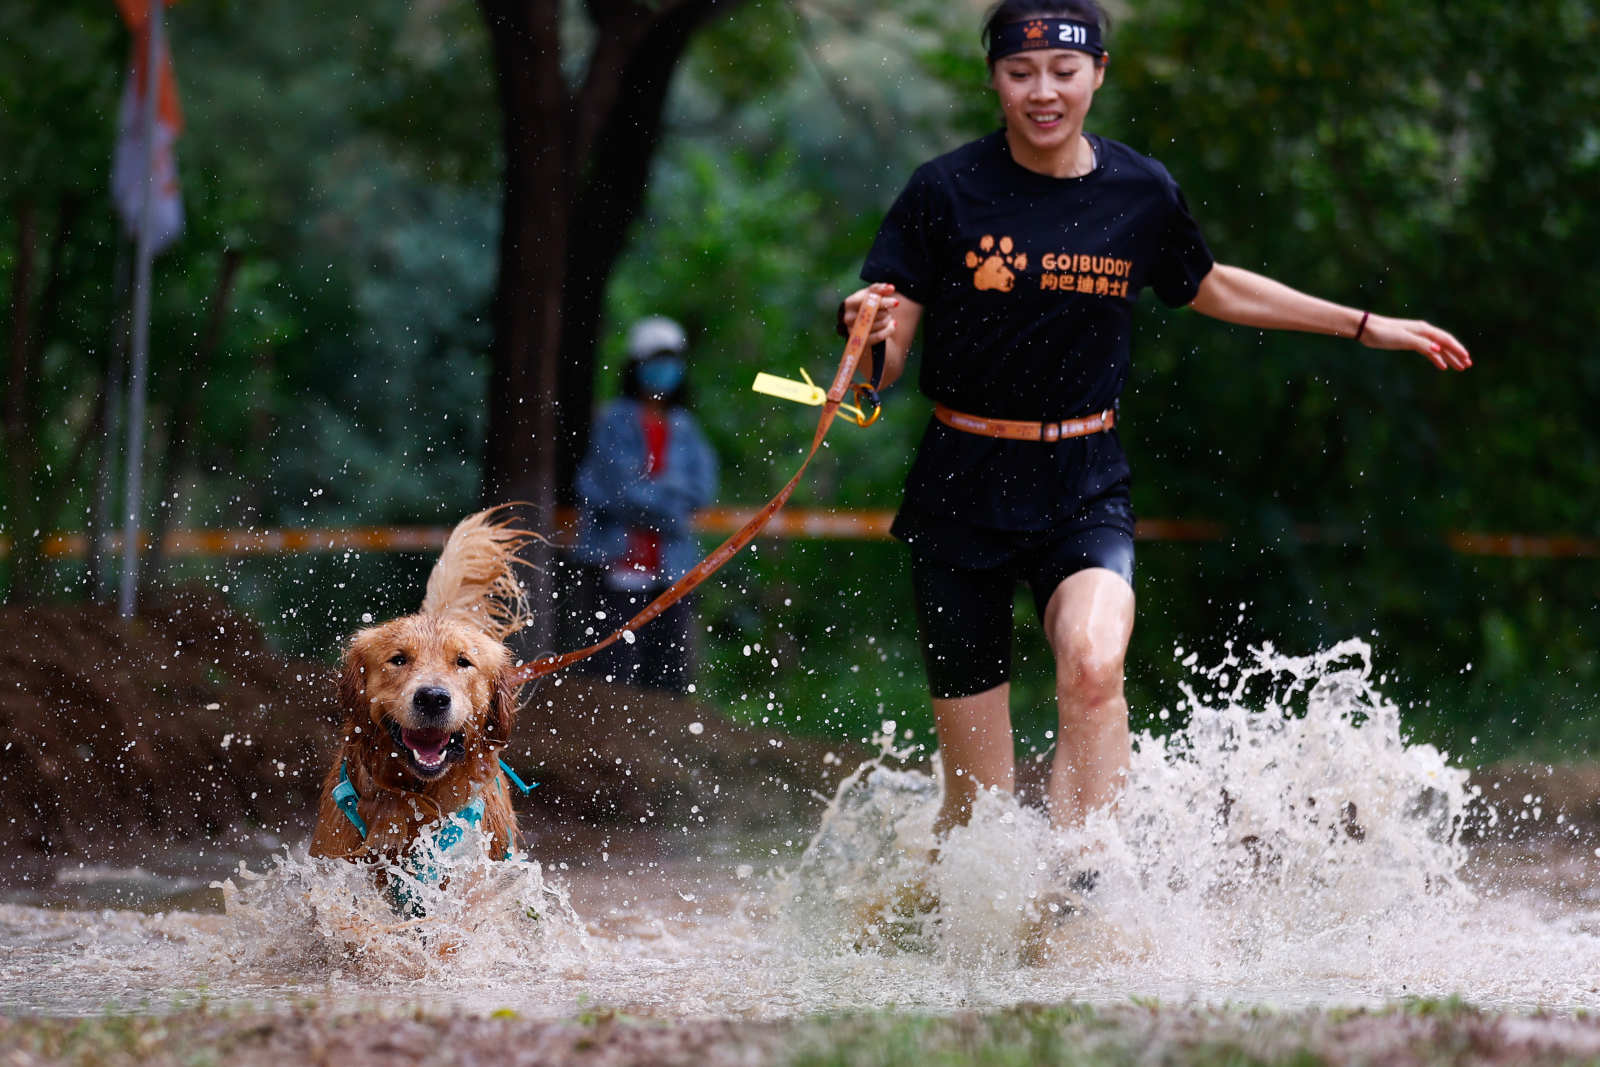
<point>964,614</point>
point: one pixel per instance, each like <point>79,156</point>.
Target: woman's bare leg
<point>975,745</point>
<point>1088,621</point>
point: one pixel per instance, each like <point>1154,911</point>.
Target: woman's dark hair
<point>1008,11</point>
<point>631,388</point>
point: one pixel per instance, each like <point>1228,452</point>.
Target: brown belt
<point>1016,430</point>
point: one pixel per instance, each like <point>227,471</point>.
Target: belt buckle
<point>1050,432</point>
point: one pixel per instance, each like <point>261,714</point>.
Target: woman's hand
<point>882,326</point>
<point>894,326</point>
<point>1414,335</point>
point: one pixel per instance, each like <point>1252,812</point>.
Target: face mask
<point>661,374</point>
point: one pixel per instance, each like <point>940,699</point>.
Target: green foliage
<point>1026,1035</point>
<point>733,252</point>
<point>1424,1032</point>
<point>1435,160</point>
<point>58,87</point>
<point>1345,166</point>
<point>1415,170</point>
<point>426,85</point>
<point>752,56</point>
<point>1070,1035</point>
<point>347,384</point>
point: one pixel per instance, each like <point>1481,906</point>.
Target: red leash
<point>853,348</point>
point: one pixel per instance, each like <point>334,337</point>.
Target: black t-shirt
<point>1027,284</point>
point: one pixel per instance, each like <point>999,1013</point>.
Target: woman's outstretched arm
<point>1233,294</point>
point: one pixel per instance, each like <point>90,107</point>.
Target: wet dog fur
<point>428,704</point>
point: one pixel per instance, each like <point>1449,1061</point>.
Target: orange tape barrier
<point>795,524</point>
<point>1529,546</point>
<point>264,542</point>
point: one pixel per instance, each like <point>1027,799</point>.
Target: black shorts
<point>964,614</point>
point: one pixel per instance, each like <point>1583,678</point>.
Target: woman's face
<point>1046,95</point>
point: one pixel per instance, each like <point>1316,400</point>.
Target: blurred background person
<point>647,471</point>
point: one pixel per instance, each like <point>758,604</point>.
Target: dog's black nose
<point>431,700</point>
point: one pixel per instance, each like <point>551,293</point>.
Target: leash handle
<point>853,348</point>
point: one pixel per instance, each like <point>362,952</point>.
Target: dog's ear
<point>503,699</point>
<point>353,683</point>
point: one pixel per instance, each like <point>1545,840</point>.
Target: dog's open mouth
<point>428,751</point>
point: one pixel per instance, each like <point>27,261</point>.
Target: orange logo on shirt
<point>993,263</point>
<point>1068,272</point>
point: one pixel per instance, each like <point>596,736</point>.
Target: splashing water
<point>1286,846</point>
<point>480,918</point>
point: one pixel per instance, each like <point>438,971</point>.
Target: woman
<point>648,470</point>
<point>1020,255</point>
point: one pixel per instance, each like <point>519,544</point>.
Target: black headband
<point>1042,34</point>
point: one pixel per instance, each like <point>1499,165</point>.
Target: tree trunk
<point>31,503</point>
<point>527,303</point>
<point>613,182</point>
<point>16,417</point>
<point>253,501</point>
<point>52,492</point>
<point>519,456</point>
<point>102,517</point>
<point>576,168</point>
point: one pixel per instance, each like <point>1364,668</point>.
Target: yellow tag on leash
<point>806,392</point>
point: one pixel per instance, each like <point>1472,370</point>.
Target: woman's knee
<point>1090,668</point>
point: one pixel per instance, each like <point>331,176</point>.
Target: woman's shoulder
<point>979,164</point>
<point>987,150</point>
<point>1121,160</point>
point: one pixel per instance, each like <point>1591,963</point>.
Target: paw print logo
<point>1034,31</point>
<point>993,264</point>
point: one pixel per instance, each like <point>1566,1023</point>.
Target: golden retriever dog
<point>428,704</point>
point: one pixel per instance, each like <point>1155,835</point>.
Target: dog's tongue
<point>426,745</point>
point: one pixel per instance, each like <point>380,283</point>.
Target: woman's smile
<point>1045,97</point>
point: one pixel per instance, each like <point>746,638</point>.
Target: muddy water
<point>1285,848</point>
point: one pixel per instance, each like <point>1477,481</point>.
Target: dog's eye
<point>398,659</point>
<point>463,662</point>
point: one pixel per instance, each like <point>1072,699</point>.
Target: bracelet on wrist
<point>1365,315</point>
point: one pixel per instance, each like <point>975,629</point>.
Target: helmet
<point>655,335</point>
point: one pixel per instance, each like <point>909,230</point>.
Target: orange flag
<point>128,174</point>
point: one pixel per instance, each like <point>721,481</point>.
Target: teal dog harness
<point>445,838</point>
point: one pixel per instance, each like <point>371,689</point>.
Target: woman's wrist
<point>1361,329</point>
